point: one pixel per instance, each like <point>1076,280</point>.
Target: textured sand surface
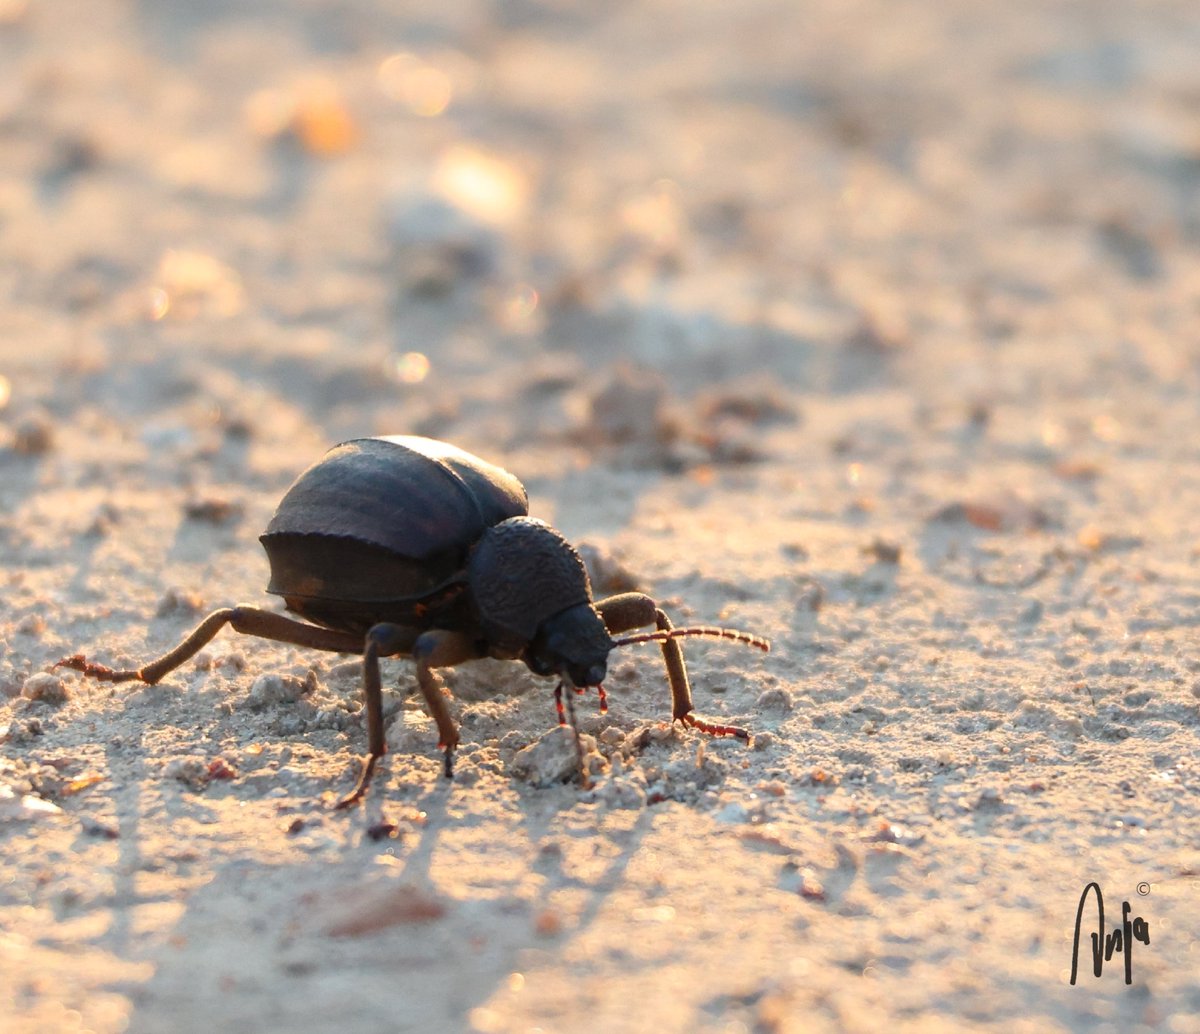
<point>873,328</point>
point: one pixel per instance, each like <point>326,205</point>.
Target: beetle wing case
<point>385,519</point>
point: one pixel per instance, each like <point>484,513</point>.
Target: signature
<point>1104,946</point>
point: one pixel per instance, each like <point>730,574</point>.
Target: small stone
<point>47,687</point>
<point>25,808</point>
<point>548,923</point>
<point>23,730</point>
<point>1072,726</point>
<point>810,595</point>
<point>777,699</point>
<point>213,510</point>
<point>1031,614</point>
<point>811,887</point>
<point>94,827</point>
<point>733,813</point>
<point>884,552</point>
<point>190,770</point>
<point>764,740</point>
<point>34,435</point>
<point>442,244</point>
<point>32,625</point>
<point>989,798</point>
<point>378,831</point>
<point>12,682</point>
<point>219,768</point>
<point>179,601</point>
<point>235,660</point>
<point>631,408</point>
<point>607,574</point>
<point>553,757</point>
<point>273,688</point>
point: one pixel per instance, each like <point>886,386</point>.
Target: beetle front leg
<point>636,610</point>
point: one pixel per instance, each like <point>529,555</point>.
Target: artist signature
<point>1120,940</point>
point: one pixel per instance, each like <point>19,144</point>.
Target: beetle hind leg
<point>264,624</point>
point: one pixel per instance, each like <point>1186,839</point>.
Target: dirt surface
<point>869,327</point>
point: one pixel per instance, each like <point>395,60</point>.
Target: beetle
<point>408,546</point>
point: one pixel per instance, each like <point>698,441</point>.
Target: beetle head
<point>533,600</point>
<point>574,644</point>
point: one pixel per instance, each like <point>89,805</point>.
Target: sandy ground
<point>870,327</point>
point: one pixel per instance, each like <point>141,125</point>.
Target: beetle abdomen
<point>348,585</point>
<point>325,567</point>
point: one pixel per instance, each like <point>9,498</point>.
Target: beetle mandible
<point>407,546</point>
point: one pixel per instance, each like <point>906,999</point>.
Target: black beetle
<point>410,546</point>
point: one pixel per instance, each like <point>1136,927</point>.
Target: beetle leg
<point>436,648</point>
<point>264,624</point>
<point>382,640</point>
<point>441,648</point>
<point>636,610</point>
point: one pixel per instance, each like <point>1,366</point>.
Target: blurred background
<point>461,219</point>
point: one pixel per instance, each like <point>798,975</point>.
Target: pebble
<point>24,808</point>
<point>273,688</point>
<point>190,770</point>
<point>34,435</point>
<point>552,758</point>
<point>47,687</point>
<point>777,699</point>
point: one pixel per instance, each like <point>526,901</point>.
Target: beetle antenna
<point>662,635</point>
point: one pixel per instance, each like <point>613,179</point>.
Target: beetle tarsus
<point>78,662</point>
<point>712,729</point>
<point>361,787</point>
<point>448,762</point>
